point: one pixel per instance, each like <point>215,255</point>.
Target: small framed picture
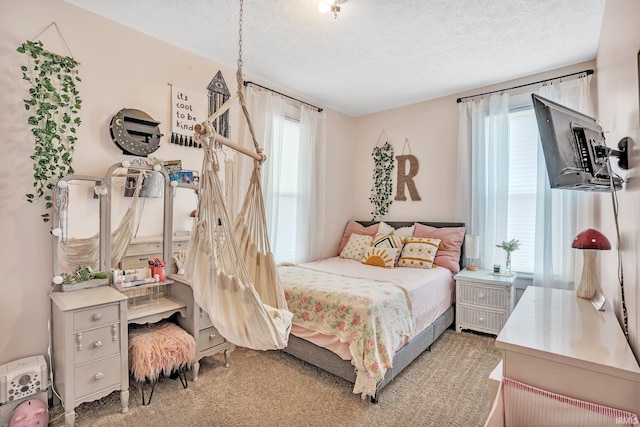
<point>184,176</point>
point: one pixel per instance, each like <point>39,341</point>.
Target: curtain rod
<point>282,94</point>
<point>588,72</point>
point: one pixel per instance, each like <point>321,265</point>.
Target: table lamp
<point>472,250</point>
<point>590,241</point>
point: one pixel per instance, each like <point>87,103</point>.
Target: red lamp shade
<point>591,239</point>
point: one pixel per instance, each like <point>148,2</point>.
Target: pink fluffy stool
<point>160,349</point>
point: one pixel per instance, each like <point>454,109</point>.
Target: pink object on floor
<point>31,413</point>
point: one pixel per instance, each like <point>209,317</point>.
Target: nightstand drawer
<point>94,317</point>
<point>489,296</point>
<point>96,376</point>
<point>205,321</point>
<point>481,319</point>
<point>96,343</point>
<point>208,338</point>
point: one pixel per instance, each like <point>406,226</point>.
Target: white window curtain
<point>560,214</point>
<point>268,113</point>
<point>483,183</point>
<point>483,155</point>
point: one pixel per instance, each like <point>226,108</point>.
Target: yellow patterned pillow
<point>380,257</point>
<point>419,252</point>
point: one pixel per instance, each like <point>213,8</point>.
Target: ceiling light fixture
<point>330,6</point>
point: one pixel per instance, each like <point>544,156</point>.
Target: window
<point>287,192</point>
<point>523,166</point>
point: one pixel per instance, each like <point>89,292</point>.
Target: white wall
<point>119,68</point>
<point>618,110</point>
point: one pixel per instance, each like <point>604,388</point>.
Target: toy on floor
<point>30,413</point>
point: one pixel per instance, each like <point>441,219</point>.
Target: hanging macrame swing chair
<point>231,267</point>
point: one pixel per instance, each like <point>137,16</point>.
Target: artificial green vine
<point>382,185</point>
<point>55,105</point>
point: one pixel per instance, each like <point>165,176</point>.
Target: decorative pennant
<point>218,95</point>
<point>188,109</point>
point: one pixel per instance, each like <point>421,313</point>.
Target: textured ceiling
<point>377,54</point>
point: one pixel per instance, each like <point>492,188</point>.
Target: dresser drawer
<point>96,343</point>
<point>481,319</point>
<point>208,338</point>
<point>205,321</point>
<point>96,316</point>
<point>96,376</point>
<point>489,296</point>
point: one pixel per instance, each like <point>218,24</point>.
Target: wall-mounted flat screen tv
<point>574,147</point>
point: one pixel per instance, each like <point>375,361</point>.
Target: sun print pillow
<point>419,252</point>
<point>356,246</point>
<point>389,241</point>
<point>380,257</point>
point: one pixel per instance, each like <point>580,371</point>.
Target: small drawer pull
<point>97,316</point>
<point>99,376</point>
<point>481,296</point>
<point>212,337</point>
<point>481,319</point>
<point>98,344</point>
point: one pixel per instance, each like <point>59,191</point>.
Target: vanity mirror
<point>79,203</point>
<point>140,206</point>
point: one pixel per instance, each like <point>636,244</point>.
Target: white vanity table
<point>90,339</point>
<point>558,342</point>
<point>90,326</point>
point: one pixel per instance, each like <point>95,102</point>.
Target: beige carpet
<point>446,386</point>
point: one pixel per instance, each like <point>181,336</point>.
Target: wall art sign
<point>188,108</point>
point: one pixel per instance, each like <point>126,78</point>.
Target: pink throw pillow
<point>354,227</point>
<point>448,255</point>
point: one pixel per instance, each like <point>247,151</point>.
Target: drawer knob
<point>481,319</point>
<point>98,344</point>
<point>212,337</point>
<point>99,376</point>
<point>480,296</point>
<point>97,316</point>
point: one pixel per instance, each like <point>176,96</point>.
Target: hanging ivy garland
<point>382,185</point>
<point>55,104</point>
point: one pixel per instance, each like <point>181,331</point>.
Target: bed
<point>414,306</point>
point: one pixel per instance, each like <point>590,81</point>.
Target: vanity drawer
<point>96,376</point>
<point>205,321</point>
<point>208,338</point>
<point>96,316</point>
<point>96,343</point>
<point>489,296</point>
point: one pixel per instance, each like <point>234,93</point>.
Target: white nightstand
<point>483,301</point>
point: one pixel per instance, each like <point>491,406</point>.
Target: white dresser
<point>90,356</point>
<point>483,301</point>
<point>559,342</point>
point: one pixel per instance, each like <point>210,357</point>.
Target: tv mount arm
<point>621,153</point>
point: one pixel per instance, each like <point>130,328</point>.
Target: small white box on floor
<point>21,380</point>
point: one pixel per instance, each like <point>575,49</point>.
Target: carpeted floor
<point>446,386</point>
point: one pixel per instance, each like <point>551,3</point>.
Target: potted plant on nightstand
<point>509,247</point>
